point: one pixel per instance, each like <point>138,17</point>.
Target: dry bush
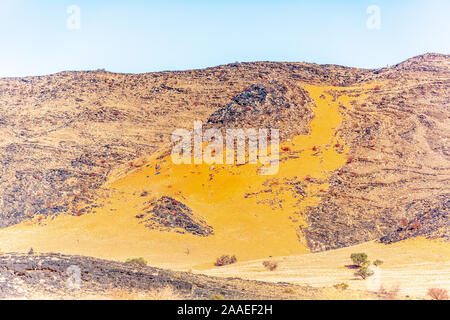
<point>388,294</point>
<point>438,293</point>
<point>225,260</point>
<point>270,265</point>
<point>137,261</point>
<point>341,286</point>
<point>289,290</point>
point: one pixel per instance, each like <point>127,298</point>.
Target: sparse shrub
<point>289,290</point>
<point>137,261</point>
<point>144,193</point>
<point>341,286</point>
<point>364,272</point>
<point>378,262</point>
<point>438,294</point>
<point>403,223</point>
<point>416,225</point>
<point>217,297</point>
<point>359,259</point>
<point>389,294</point>
<point>270,265</point>
<point>225,260</point>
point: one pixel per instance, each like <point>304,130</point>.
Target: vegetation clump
<point>225,260</point>
<point>438,293</point>
<point>341,286</point>
<point>137,261</point>
<point>289,290</point>
<point>378,262</point>
<point>364,272</point>
<point>270,265</point>
<point>359,259</point>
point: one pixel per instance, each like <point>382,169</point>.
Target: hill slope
<point>364,155</point>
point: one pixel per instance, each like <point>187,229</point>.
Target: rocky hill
<point>45,276</point>
<point>63,135</point>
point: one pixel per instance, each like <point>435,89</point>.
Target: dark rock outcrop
<point>169,214</point>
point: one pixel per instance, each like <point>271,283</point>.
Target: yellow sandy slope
<point>257,226</point>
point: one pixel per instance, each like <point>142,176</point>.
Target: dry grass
<point>166,293</point>
<point>388,294</point>
<point>270,265</point>
<point>289,290</point>
<point>341,286</point>
<point>412,265</point>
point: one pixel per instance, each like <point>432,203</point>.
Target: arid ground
<point>86,174</point>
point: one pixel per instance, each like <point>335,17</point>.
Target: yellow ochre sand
<point>258,226</point>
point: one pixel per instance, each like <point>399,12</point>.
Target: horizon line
<point>220,65</point>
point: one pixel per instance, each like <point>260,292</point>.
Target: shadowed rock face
<point>169,214</point>
<point>434,223</point>
<point>270,105</point>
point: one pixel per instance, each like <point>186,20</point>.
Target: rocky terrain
<point>63,135</point>
<point>398,167</point>
<point>37,276</point>
<point>169,214</point>
<point>272,105</point>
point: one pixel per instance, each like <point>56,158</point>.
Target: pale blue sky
<point>143,36</point>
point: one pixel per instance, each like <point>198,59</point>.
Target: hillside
<point>31,276</point>
<point>86,166</point>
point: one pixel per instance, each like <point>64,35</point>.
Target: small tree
<point>364,272</point>
<point>378,262</point>
<point>359,259</point>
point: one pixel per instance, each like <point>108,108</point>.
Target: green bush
<point>359,259</point>
<point>378,262</point>
<point>137,261</point>
<point>364,272</point>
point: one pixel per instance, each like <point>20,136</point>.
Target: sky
<point>40,37</point>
